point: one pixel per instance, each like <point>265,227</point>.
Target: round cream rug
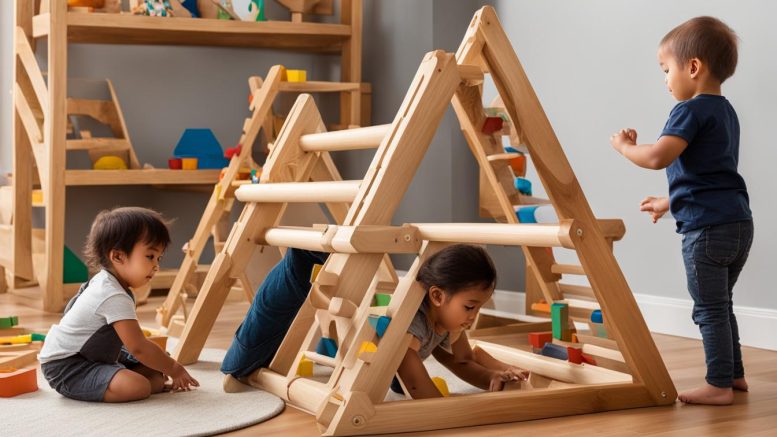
<point>206,410</point>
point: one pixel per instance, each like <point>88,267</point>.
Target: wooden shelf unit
<point>40,121</point>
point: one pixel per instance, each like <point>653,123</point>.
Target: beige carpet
<point>204,411</point>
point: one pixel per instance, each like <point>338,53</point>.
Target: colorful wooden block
<point>189,163</point>
<point>491,125</point>
<point>327,346</point>
<point>538,339</point>
<point>559,315</point>
<point>525,214</point>
<point>9,322</point>
<point>442,386</point>
<point>74,271</point>
<point>382,300</point>
<point>367,346</point>
<point>305,367</point>
<point>523,186</point>
<point>314,272</point>
<point>596,316</point>
<point>575,355</point>
<point>296,76</point>
<point>554,351</point>
<point>518,165</point>
<point>203,145</point>
<point>379,323</point>
<point>110,163</point>
<point>18,382</point>
<point>174,164</point>
<point>540,307</point>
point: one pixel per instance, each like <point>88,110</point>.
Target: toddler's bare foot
<point>708,395</point>
<point>740,384</point>
<point>234,385</point>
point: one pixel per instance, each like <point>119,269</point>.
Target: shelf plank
<point>102,28</point>
<point>319,87</point>
<point>140,177</point>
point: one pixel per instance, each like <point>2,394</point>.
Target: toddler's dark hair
<point>120,229</point>
<point>708,39</point>
<point>458,267</point>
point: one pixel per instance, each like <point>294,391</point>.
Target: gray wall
<point>593,66</point>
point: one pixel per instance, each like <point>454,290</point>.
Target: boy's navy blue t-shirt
<point>704,185</point>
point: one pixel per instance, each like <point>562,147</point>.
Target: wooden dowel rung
<point>472,74</point>
<point>535,235</point>
<point>320,359</point>
<point>502,156</point>
<point>299,192</point>
<point>308,239</point>
<point>577,290</point>
<point>567,269</point>
<point>349,139</point>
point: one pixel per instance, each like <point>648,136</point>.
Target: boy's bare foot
<point>708,395</point>
<point>741,384</point>
<point>234,385</point>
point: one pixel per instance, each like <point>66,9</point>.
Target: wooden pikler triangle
<point>351,400</point>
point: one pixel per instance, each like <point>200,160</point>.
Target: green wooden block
<point>559,315</point>
<point>38,337</point>
<point>382,300</point>
<point>9,322</point>
<point>74,271</point>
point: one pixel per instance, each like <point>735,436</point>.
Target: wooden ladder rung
<point>503,156</point>
<point>535,235</point>
<point>577,290</point>
<point>299,192</point>
<point>348,139</point>
<point>567,269</point>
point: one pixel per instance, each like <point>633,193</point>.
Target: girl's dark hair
<point>708,39</point>
<point>458,267</point>
<point>120,229</point>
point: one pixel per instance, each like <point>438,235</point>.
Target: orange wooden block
<point>541,307</point>
<point>519,165</point>
<point>18,382</point>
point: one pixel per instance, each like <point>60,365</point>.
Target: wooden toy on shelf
<point>351,400</point>
<point>296,76</point>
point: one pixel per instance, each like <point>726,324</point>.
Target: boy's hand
<point>655,206</point>
<point>502,377</point>
<point>623,138</point>
<point>182,381</point>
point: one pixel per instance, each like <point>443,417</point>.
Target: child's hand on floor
<point>502,377</point>
<point>182,381</point>
<point>655,206</point>
<point>623,138</point>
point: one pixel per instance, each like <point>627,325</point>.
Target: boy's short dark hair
<point>120,229</point>
<point>458,267</point>
<point>708,39</point>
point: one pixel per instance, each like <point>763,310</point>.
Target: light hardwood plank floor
<point>753,413</point>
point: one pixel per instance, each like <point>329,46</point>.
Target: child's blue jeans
<point>272,311</point>
<point>714,257</point>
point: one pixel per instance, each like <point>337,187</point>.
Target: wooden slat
<point>140,177</point>
<point>28,118</point>
<point>567,269</point>
<point>27,58</point>
<point>99,144</point>
<point>313,86</point>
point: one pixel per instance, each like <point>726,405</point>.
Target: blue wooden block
<point>596,316</point>
<point>380,324</point>
<point>203,145</point>
<point>555,351</point>
<point>523,186</point>
<point>327,346</point>
<point>509,149</point>
<point>526,214</point>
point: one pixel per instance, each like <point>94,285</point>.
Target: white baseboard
<point>666,315</point>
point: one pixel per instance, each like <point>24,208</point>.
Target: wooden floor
<point>753,413</point>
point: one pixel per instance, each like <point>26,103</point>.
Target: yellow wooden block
<point>314,272</point>
<point>368,346</point>
<point>37,197</point>
<point>110,163</point>
<point>296,75</point>
<point>19,339</point>
<point>441,385</point>
<point>305,367</point>
<point>189,163</point>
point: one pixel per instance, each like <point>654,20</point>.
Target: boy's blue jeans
<point>714,256</point>
<point>275,305</point>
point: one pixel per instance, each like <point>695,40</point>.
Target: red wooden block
<point>174,163</point>
<point>18,382</point>
<point>491,125</point>
<point>232,151</point>
<point>538,339</point>
<point>589,359</point>
<point>575,355</point>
